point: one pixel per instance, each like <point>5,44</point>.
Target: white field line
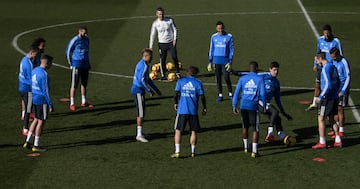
<point>313,28</point>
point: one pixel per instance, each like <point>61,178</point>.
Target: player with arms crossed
<point>328,100</point>
<point>252,89</point>
<point>188,91</point>
<point>41,101</point>
<point>324,44</point>
<point>167,37</point>
<point>272,89</point>
<point>221,54</point>
<point>26,66</point>
<point>141,84</point>
<point>77,54</point>
<point>343,69</point>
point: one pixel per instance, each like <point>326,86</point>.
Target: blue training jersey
<point>343,69</point>
<point>24,76</point>
<point>252,89</point>
<point>142,81</point>
<point>272,89</point>
<point>330,82</point>
<point>221,48</point>
<point>41,87</point>
<point>190,89</point>
<point>77,52</point>
<point>325,46</point>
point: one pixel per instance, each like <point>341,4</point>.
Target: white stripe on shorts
<point>140,100</point>
<point>176,121</point>
<point>29,102</point>
<point>45,111</point>
<point>73,77</point>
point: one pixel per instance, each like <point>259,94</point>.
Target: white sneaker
<point>141,138</point>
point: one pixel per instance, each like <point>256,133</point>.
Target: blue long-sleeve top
<point>41,87</point>
<point>77,52</point>
<point>24,76</point>
<point>343,69</point>
<point>252,89</point>
<point>221,48</point>
<point>141,81</point>
<point>326,46</point>
<point>330,82</point>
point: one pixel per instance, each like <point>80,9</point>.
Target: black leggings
<point>219,71</point>
<point>163,49</point>
<point>274,118</point>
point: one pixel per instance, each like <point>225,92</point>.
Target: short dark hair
<point>193,70</point>
<point>160,9</point>
<point>334,50</point>
<point>321,55</point>
<point>83,28</point>
<point>147,50</point>
<point>47,57</point>
<point>34,49</point>
<point>220,23</point>
<point>274,64</point>
<point>37,42</point>
<point>327,27</point>
<point>253,65</point>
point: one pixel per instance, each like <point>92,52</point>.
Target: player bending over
<point>328,100</point>
<point>41,101</point>
<point>343,69</point>
<point>188,91</point>
<point>252,89</point>
<point>77,54</point>
<point>26,66</point>
<point>272,89</point>
<point>167,39</point>
<point>324,44</point>
<point>142,84</point>
<point>221,53</point>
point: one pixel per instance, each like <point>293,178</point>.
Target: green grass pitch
<point>96,148</point>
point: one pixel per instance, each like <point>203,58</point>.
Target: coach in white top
<point>167,37</point>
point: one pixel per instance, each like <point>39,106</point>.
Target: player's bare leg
<point>245,136</point>
<point>340,120</point>
<point>72,95</point>
<point>255,142</point>
<point>177,141</point>
<point>322,140</point>
<point>337,142</point>
<point>140,136</point>
<point>317,92</point>
<point>22,110</point>
<point>193,141</point>
<point>83,96</point>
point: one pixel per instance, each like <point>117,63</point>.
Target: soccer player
<point>141,84</point>
<point>39,43</point>
<point>188,91</point>
<point>343,69</point>
<point>324,44</point>
<point>252,89</point>
<point>77,54</point>
<point>41,101</point>
<point>272,89</point>
<point>221,54</point>
<point>328,100</point>
<point>167,40</point>
<point>26,66</point>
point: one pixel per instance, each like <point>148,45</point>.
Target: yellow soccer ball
<point>170,66</point>
<point>155,67</point>
<point>153,75</point>
<point>289,141</point>
<point>171,77</point>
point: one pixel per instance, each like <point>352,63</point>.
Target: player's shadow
<point>155,98</point>
<point>295,92</point>
<point>107,125</point>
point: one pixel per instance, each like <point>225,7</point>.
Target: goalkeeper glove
<point>228,67</point>
<point>209,67</point>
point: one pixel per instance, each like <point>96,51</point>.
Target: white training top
<point>166,30</point>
